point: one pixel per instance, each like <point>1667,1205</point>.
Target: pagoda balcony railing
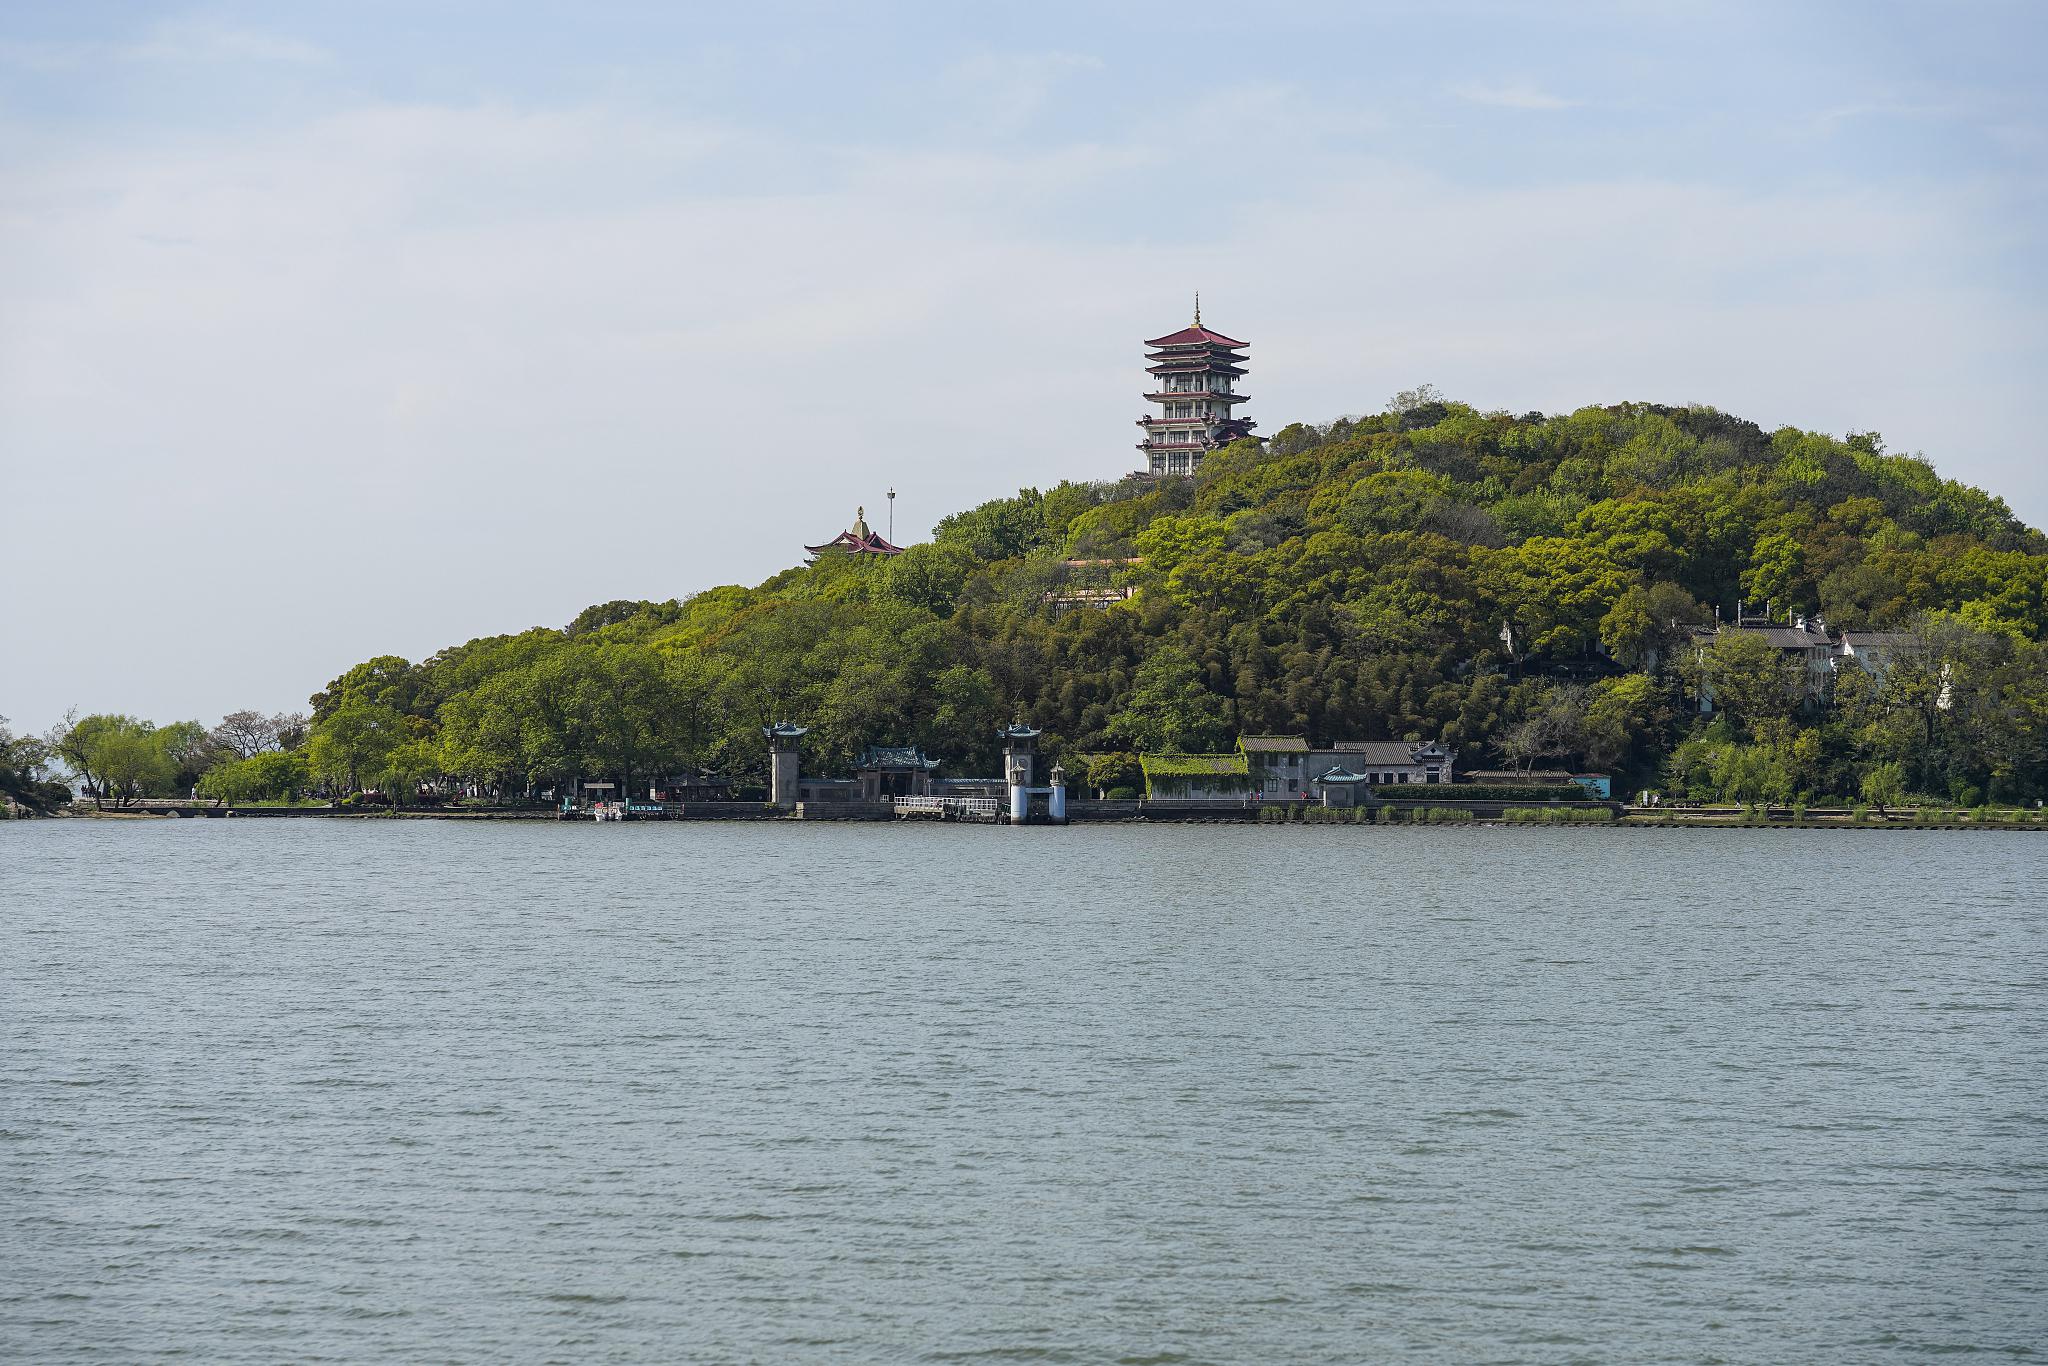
<point>1180,395</point>
<point>1176,421</point>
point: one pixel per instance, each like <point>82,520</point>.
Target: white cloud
<point>200,40</point>
<point>1002,92</point>
<point>173,43</point>
<point>1511,95</point>
<point>43,56</point>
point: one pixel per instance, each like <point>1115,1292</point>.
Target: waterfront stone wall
<point>846,811</point>
<point>730,811</point>
<point>1078,810</point>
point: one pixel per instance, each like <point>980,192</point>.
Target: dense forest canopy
<point>1523,588</point>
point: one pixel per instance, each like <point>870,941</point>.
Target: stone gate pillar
<point>1020,749</point>
<point>1019,756</point>
<point>782,762</point>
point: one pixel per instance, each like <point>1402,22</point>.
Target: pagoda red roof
<point>1195,335</point>
<point>853,544</point>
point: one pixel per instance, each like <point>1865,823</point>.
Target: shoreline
<point>1271,817</point>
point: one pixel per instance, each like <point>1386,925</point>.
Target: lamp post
<point>892,514</point>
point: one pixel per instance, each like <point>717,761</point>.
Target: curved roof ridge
<point>1192,334</point>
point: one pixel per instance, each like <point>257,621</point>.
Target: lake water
<point>437,1091</point>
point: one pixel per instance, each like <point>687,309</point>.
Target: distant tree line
<point>119,759</point>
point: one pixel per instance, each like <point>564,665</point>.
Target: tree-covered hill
<point>1523,588</point>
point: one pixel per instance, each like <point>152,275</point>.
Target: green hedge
<point>1424,815</point>
<point>1485,792</point>
<point>1559,815</point>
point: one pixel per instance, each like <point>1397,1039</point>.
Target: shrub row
<point>1559,815</point>
<point>1424,815</point>
<point>1490,792</point>
<point>1316,815</point>
<point>1365,815</point>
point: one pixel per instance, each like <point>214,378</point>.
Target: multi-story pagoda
<point>1194,381</point>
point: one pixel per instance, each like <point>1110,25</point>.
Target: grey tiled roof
<point>894,756</point>
<point>1381,751</point>
<point>1272,744</point>
<point>1781,637</point>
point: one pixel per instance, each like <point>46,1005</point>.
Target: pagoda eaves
<point>1193,335</point>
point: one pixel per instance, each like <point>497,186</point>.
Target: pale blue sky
<point>327,331</point>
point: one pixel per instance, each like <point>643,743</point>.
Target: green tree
<point>998,530</point>
<point>117,756</point>
<point>1108,771</point>
<point>1647,623</point>
<point>632,708</point>
<point>1171,709</point>
<point>966,715</point>
<point>386,681</point>
<point>1884,784</point>
<point>1753,773</point>
<point>353,740</point>
<point>191,749</point>
<point>1623,718</point>
<point>233,780</point>
<point>24,775</point>
<point>406,766</point>
<point>1628,631</point>
<point>1556,592</point>
<point>1751,680</point>
<point>929,576</point>
<point>1776,573</point>
<point>1552,727</point>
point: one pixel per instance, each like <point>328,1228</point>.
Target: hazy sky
<point>333,331</point>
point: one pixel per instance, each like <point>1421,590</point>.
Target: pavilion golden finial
<point>1198,308</point>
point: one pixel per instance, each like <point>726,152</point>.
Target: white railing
<point>945,807</point>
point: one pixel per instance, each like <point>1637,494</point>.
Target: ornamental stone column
<point>782,762</point>
<point>1020,744</point>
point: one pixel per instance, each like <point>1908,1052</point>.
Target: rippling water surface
<point>322,1091</point>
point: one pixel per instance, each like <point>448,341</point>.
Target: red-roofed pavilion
<point>856,540</point>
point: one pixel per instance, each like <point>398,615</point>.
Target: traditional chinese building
<point>1287,766</point>
<point>886,771</point>
<point>1194,381</point>
<point>856,540</point>
<point>1807,645</point>
<point>1388,762</point>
